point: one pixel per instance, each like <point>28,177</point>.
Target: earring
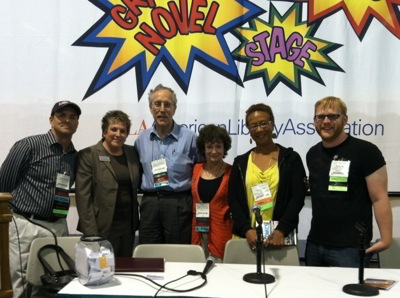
<point>251,141</point>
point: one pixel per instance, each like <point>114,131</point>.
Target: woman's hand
<point>276,238</point>
<point>251,236</point>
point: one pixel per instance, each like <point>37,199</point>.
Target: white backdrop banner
<point>220,57</point>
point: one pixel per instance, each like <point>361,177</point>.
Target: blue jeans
<point>325,256</point>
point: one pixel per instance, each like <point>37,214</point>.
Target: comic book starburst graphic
<point>283,49</point>
<point>144,34</point>
<point>360,13</point>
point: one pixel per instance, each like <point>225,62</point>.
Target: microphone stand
<point>258,277</point>
<point>361,289</point>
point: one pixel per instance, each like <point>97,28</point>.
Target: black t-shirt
<point>335,213</point>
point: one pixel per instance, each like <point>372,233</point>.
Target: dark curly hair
<point>112,116</point>
<point>260,107</point>
<point>212,133</point>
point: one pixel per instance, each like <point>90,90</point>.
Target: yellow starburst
<point>358,12</point>
<point>181,45</point>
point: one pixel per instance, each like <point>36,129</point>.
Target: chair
<point>35,269</point>
<point>238,251</point>
<point>5,217</point>
<point>171,252</point>
<point>390,258</point>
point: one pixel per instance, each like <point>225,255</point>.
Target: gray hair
<point>161,87</point>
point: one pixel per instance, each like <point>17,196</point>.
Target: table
<point>226,281</point>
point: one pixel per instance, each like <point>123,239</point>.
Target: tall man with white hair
<point>167,153</point>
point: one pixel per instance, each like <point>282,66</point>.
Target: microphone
<point>257,211</point>
<point>209,264</point>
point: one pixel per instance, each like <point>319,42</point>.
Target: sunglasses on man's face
<point>331,117</point>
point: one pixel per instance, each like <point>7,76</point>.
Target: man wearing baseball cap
<point>65,103</point>
<point>39,171</point>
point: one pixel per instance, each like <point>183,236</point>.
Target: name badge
<point>262,195</point>
<point>104,158</point>
<point>338,175</point>
<point>61,204</point>
<point>61,199</point>
<point>202,217</point>
<point>160,172</point>
<point>62,181</point>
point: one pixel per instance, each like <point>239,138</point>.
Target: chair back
<point>35,269</point>
<point>5,217</point>
<point>238,251</point>
<point>171,252</point>
<point>390,258</point>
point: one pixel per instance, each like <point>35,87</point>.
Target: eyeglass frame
<point>262,125</point>
<point>331,117</point>
<point>167,104</point>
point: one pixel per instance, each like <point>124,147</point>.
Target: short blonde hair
<point>331,102</point>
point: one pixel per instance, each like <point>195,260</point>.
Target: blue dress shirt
<point>178,148</point>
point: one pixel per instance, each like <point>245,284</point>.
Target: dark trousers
<point>122,238</point>
<point>165,219</point>
<point>326,256</point>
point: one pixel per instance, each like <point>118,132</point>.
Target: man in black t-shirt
<point>348,179</point>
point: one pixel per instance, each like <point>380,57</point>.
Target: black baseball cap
<point>66,103</point>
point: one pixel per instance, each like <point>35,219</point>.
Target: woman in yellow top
<point>269,176</point>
